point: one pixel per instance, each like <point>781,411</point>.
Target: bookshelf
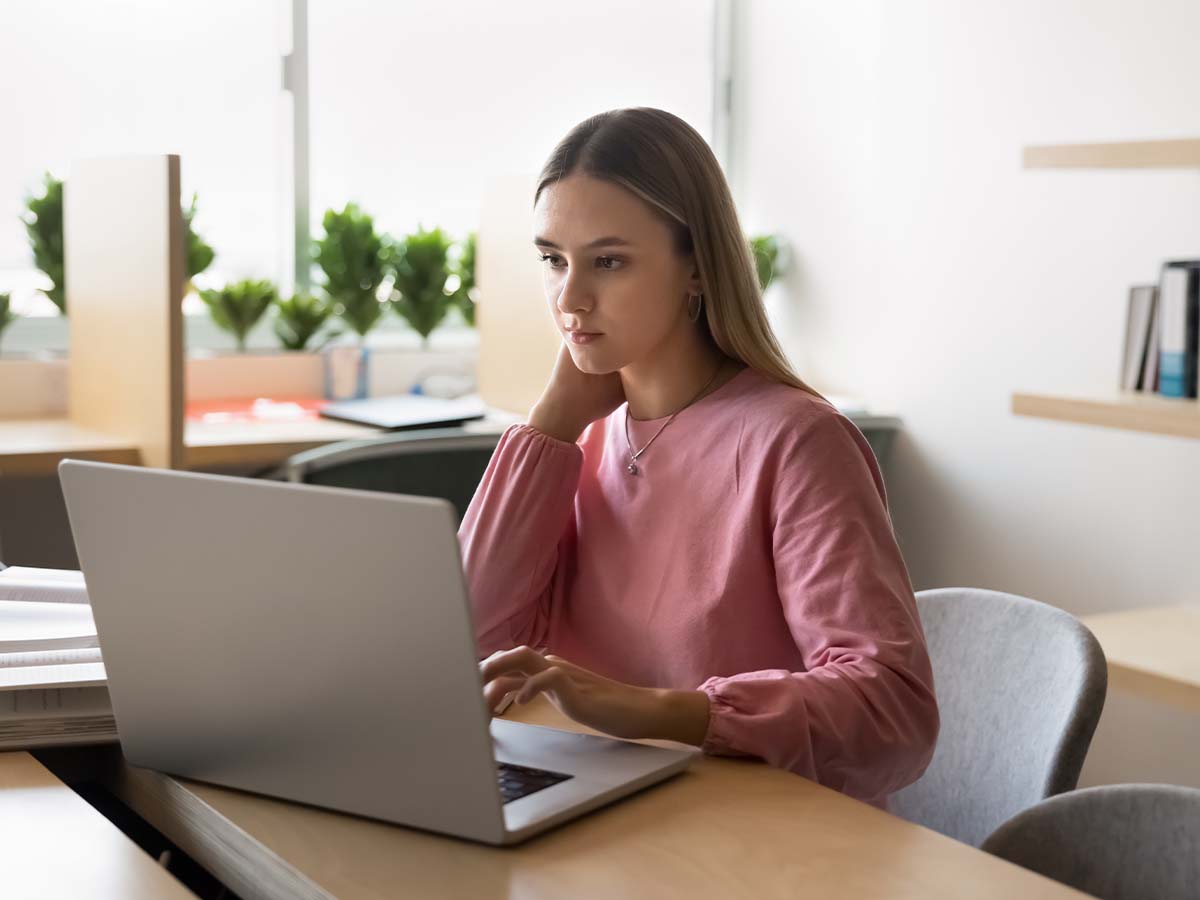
<point>1182,153</point>
<point>1120,409</point>
<point>1116,409</point>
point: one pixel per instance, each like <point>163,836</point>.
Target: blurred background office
<point>926,272</point>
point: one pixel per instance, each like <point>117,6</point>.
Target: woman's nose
<point>574,295</point>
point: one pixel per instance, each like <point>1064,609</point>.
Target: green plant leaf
<point>237,307</point>
<point>464,267</point>
<point>352,256</point>
<point>298,318</point>
<point>418,263</point>
<point>43,219</point>
<point>199,254</point>
<point>766,257</point>
<point>7,316</point>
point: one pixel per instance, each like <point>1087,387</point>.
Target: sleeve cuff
<point>523,431</point>
<point>718,740</point>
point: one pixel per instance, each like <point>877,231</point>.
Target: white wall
<point>935,276</point>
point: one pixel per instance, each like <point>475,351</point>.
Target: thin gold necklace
<point>632,468</point>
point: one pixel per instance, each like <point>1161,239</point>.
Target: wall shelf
<point>1181,153</point>
<point>1119,409</point>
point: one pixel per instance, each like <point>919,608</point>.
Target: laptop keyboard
<point>520,781</point>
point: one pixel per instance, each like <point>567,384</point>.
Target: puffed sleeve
<point>512,533</point>
<point>862,718</point>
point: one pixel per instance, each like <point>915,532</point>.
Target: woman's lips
<point>583,337</point>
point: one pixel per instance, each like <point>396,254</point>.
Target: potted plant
<point>770,257</point>
<point>299,318</point>
<point>351,256</point>
<point>463,268</point>
<point>43,220</point>
<point>418,264</point>
<point>237,307</point>
<point>7,316</point>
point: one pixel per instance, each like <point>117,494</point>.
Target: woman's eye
<point>608,263</point>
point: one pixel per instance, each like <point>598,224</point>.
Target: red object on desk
<point>255,409</point>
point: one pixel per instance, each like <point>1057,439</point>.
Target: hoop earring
<point>699,298</point>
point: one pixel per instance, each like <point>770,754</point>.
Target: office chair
<point>1020,687</point>
<point>443,462</point>
<point>1116,842</point>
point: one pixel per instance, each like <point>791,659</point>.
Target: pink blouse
<point>751,558</point>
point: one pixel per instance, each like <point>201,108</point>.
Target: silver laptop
<point>315,644</point>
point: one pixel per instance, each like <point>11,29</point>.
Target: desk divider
<point>518,342</point>
<point>125,271</point>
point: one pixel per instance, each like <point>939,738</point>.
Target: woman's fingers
<point>548,679</point>
<point>523,660</point>
<point>495,691</point>
<point>563,664</point>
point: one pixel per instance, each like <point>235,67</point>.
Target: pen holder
<point>346,371</point>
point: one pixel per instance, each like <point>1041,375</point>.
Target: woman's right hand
<point>572,399</point>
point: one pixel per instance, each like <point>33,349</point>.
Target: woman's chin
<point>590,363</point>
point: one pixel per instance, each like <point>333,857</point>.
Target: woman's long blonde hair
<point>664,161</point>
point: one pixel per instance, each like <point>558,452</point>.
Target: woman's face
<point>610,271</point>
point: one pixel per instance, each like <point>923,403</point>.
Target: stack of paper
<point>53,688</point>
<point>42,585</point>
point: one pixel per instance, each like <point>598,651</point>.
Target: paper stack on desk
<point>53,688</point>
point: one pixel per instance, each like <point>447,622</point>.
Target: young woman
<point>685,541</point>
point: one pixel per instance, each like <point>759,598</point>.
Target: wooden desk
<point>262,443</point>
<point>267,443</point>
<point>35,446</point>
<point>55,845</point>
<point>1154,652</point>
<point>726,828</point>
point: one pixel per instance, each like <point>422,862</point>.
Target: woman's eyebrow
<point>608,241</point>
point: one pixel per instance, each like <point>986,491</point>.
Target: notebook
<point>24,583</point>
<point>406,411</point>
<point>31,627</point>
<point>53,686</point>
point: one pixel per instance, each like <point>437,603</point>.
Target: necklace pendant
<point>632,468</point>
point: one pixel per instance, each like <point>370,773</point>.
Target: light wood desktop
<point>56,845</point>
<point>36,446</point>
<point>1153,652</point>
<point>726,828</point>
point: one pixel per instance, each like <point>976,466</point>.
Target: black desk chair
<point>443,462</point>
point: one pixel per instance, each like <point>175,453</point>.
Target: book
<point>27,627</point>
<point>1179,304</point>
<point>54,699</point>
<point>1149,380</point>
<point>27,584</point>
<point>54,717</point>
<point>55,657</point>
<point>1139,314</point>
<point>53,686</point>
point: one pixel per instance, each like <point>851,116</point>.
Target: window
<point>412,105</point>
<point>93,79</point>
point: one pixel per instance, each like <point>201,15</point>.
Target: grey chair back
<point>1020,686</point>
<point>443,462</point>
<point>1116,842</point>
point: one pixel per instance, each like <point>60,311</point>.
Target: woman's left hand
<point>619,709</point>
